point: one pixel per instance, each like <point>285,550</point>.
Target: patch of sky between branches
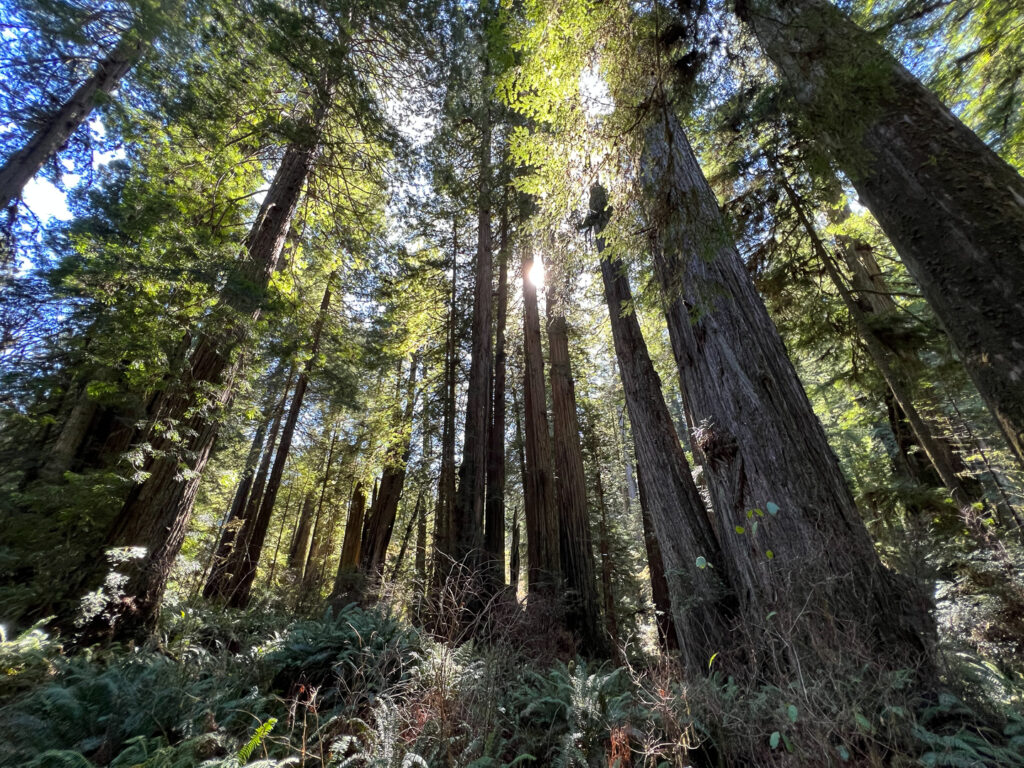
<point>46,200</point>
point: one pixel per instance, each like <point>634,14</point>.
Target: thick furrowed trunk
<point>952,208</point>
<point>254,531</point>
<point>576,554</point>
<point>20,167</point>
<point>544,568</point>
<point>155,515</point>
<point>792,538</point>
<point>700,603</point>
<point>494,512</point>
<point>346,584</point>
<point>469,497</point>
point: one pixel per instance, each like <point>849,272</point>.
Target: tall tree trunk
<point>300,543</point>
<point>381,519</point>
<point>875,304</point>
<point>217,582</point>
<point>72,435</point>
<point>403,548</point>
<point>420,584</point>
<point>668,631</point>
<point>444,511</point>
<point>611,623</point>
<point>953,208</point>
<point>576,554</point>
<point>701,602</point>
<point>156,512</point>
<point>494,513</point>
<point>20,167</point>
<point>469,497</point>
<point>348,581</point>
<point>313,572</point>
<point>254,530</point>
<point>514,544</point>
<point>544,567</point>
<point>792,538</point>
<point>939,455</point>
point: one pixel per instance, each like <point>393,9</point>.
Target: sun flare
<point>536,274</point>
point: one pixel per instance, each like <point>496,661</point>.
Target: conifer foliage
<point>485,384</point>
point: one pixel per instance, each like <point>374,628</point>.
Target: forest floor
<point>363,687</point>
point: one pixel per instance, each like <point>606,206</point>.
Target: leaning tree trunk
<point>938,453</point>
<point>575,549</point>
<point>254,531</point>
<point>874,301</point>
<point>700,597</point>
<point>543,565</point>
<point>155,515</point>
<point>494,512</point>
<point>951,206</point>
<point>793,543</point>
<point>381,519</point>
<point>469,498</point>
<point>58,127</point>
<point>668,637</point>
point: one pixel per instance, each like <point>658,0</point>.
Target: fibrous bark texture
<point>151,525</point>
<point>953,209</point>
<point>469,497</point>
<point>494,511</point>
<point>544,569</point>
<point>576,554</point>
<point>791,536</point>
<point>348,567</point>
<point>686,562</point>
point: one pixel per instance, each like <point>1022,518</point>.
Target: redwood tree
<point>951,206</point>
<point>791,536</point>
<point>576,554</point>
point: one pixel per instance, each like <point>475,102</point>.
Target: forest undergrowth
<point>402,683</point>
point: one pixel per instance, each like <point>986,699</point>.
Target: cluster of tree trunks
<point>953,209</point>
<point>780,501</point>
<point>152,523</point>
<point>680,541</point>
